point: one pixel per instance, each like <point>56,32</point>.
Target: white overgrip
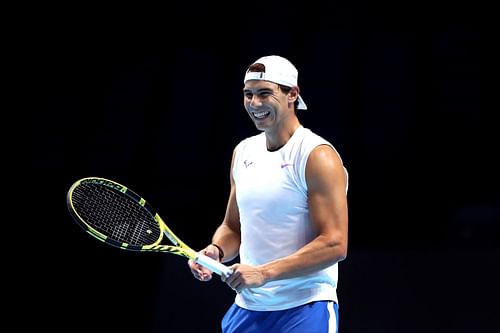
<point>213,265</point>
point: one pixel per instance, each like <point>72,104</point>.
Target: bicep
<point>232,216</point>
<point>327,183</point>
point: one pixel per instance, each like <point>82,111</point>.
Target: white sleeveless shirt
<point>271,193</point>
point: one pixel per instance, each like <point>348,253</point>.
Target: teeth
<point>260,114</point>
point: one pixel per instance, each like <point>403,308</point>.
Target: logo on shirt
<point>247,163</point>
<point>286,164</point>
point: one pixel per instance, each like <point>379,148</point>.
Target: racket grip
<point>213,265</point>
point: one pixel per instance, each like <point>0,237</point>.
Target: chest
<point>265,179</point>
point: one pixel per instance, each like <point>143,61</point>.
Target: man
<point>286,216</point>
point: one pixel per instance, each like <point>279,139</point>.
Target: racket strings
<point>115,214</point>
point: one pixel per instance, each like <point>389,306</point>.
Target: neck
<point>278,138</point>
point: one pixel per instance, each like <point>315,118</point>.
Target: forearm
<point>317,255</point>
<point>228,240</point>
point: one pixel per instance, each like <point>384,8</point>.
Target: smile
<point>260,115</point>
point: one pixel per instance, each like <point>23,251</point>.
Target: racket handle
<point>213,265</point>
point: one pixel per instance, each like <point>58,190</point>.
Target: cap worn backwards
<point>278,70</point>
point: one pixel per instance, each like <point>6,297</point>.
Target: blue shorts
<point>314,317</point>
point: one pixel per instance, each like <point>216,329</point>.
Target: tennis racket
<point>119,217</point>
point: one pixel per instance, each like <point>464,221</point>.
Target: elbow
<point>339,251</point>
<point>337,248</point>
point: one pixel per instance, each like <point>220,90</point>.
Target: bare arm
<point>226,236</point>
<point>327,182</point>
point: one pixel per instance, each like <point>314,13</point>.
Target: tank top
<point>271,193</point>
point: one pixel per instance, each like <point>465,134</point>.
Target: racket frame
<point>179,247</point>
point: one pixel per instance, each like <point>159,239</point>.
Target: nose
<point>255,101</point>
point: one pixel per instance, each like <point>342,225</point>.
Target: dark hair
<point>256,67</point>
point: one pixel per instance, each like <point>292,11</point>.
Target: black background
<point>151,98</point>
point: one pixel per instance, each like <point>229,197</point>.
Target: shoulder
<point>321,147</point>
<point>324,154</point>
<point>325,167</point>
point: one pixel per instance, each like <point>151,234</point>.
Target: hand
<point>245,276</point>
<point>200,272</point>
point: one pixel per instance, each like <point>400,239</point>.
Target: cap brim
<point>302,105</point>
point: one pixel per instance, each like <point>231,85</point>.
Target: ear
<point>293,95</point>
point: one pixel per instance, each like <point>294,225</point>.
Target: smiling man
<point>286,216</point>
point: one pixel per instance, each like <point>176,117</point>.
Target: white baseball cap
<point>278,70</point>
